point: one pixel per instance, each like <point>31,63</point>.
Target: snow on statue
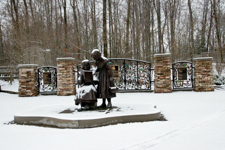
<point>105,89</point>
<point>86,95</point>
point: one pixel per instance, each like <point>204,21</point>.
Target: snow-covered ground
<point>8,87</point>
<point>195,121</point>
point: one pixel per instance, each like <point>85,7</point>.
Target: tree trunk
<point>110,29</point>
<point>115,33</point>
<point>127,30</point>
<point>26,16</point>
<point>204,21</point>
<point>15,7</point>
<point>172,28</point>
<point>192,30</point>
<point>95,44</point>
<point>134,24</point>
<point>104,36</point>
<point>157,6</point>
<point>86,35</point>
<point>31,9</point>
<point>65,25</point>
<point>217,24</point>
<point>1,47</point>
<point>210,28</point>
<point>76,30</point>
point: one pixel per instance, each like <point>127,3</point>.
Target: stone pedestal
<point>162,82</point>
<point>203,74</point>
<point>28,80</point>
<point>65,76</point>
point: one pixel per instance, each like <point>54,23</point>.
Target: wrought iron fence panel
<point>120,80</point>
<point>129,74</point>
<point>47,79</point>
<point>182,75</point>
<point>144,75</point>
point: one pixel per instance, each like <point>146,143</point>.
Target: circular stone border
<point>85,123</point>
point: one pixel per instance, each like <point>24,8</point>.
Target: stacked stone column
<point>162,82</point>
<point>28,80</point>
<point>65,76</point>
<point>203,74</point>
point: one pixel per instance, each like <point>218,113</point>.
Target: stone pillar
<point>162,82</point>
<point>203,74</point>
<point>65,76</point>
<point>28,80</point>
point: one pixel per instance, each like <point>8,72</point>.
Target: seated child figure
<point>86,94</point>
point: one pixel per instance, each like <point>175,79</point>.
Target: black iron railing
<point>129,74</point>
<point>182,75</point>
<point>47,79</point>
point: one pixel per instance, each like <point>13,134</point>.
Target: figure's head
<point>85,65</point>
<point>96,54</point>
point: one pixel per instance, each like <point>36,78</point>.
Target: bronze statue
<point>86,95</point>
<point>105,89</point>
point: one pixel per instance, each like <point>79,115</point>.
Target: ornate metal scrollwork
<point>132,74</point>
<point>182,75</point>
<point>120,81</point>
<point>144,72</point>
<point>47,78</point>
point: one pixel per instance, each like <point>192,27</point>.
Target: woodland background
<point>39,31</point>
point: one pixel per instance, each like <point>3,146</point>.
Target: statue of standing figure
<point>105,89</point>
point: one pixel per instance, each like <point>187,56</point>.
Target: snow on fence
<point>129,74</point>
<point>134,75</point>
<point>7,72</point>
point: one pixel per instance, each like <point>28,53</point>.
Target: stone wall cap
<point>162,55</point>
<point>182,62</point>
<point>203,59</point>
<point>66,59</point>
<point>27,66</point>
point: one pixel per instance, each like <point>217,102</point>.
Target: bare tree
<point>210,27</point>
<point>94,25</point>
<point>127,51</point>
<point>173,11</point>
<point>216,5</point>
<point>116,33</point>
<point>192,30</point>
<point>1,46</point>
<point>104,36</point>
<point>110,28</point>
<point>65,24</point>
<point>138,29</point>
<point>204,22</point>
<point>157,5</point>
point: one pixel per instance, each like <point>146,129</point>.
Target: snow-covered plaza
<point>196,120</point>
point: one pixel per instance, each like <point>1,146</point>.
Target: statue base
<point>59,116</point>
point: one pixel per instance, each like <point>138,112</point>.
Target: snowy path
<point>195,121</point>
<point>171,134</point>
